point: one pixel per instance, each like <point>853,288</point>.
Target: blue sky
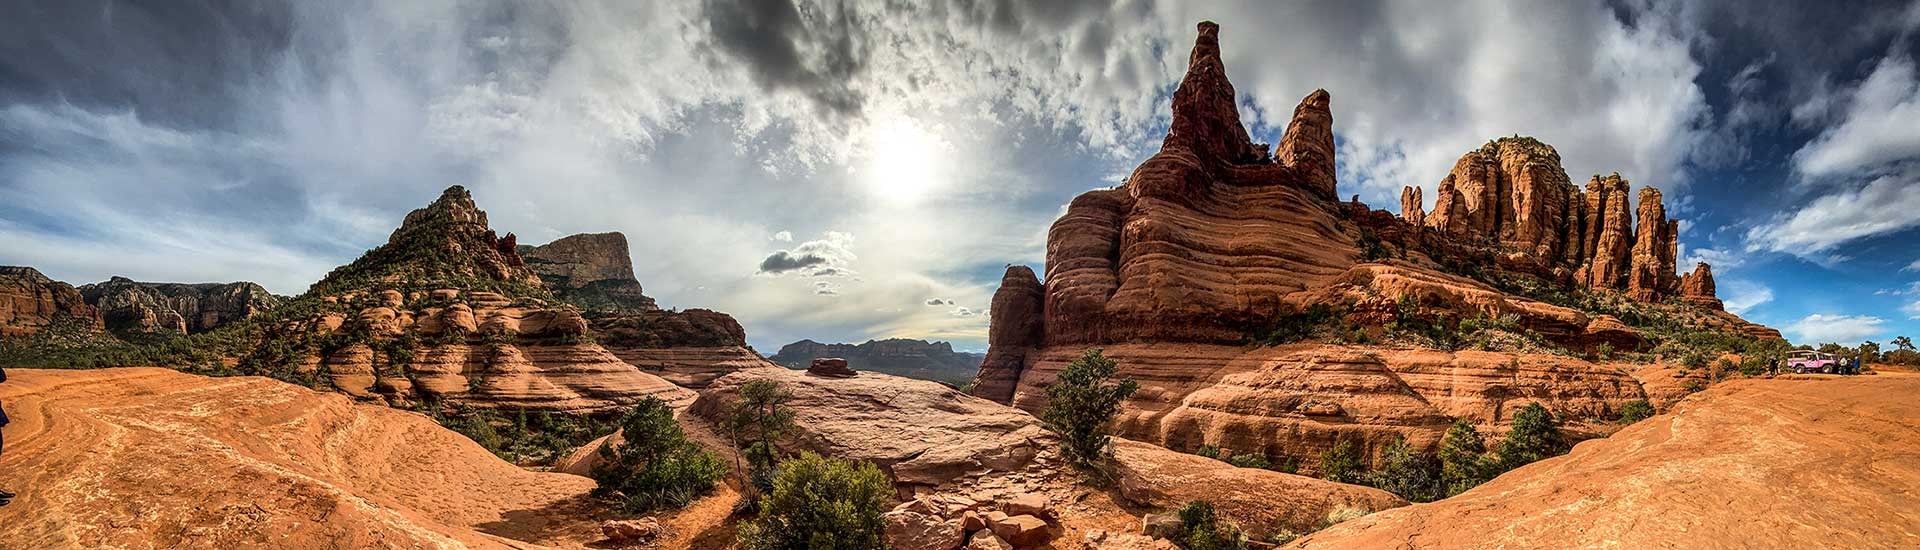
<point>895,157</point>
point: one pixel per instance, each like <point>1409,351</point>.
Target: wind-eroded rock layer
<point>1213,243</point>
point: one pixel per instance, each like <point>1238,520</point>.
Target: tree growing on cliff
<point>1081,403</point>
<point>1463,458</point>
<point>821,502</point>
<point>1535,435</point>
<point>656,466</point>
<point>1342,463</point>
<point>1407,472</point>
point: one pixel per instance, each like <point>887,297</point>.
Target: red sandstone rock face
<point>1610,230</point>
<point>1513,192</point>
<point>1262,502</point>
<point>1651,270</point>
<point>1697,287</point>
<point>1016,331</point>
<point>591,270</point>
<point>129,306</point>
<point>1411,207</point>
<point>689,348</point>
<point>30,302</point>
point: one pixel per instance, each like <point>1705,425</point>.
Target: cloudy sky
<point>844,171</point>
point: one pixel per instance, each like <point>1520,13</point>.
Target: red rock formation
<point>1411,207</point>
<point>1307,146</point>
<point>30,303</point>
<point>1017,330</point>
<point>1697,287</point>
<point>591,270</point>
<point>1651,268</point>
<point>1513,191</point>
<point>129,306</point>
<point>1206,120</point>
<point>1610,230</point>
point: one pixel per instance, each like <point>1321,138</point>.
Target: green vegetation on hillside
<point>821,503</point>
<point>655,466</point>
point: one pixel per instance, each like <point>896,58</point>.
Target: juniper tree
<point>1081,403</point>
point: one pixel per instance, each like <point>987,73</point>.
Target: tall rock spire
<point>1206,121</point>
<point>1307,147</point>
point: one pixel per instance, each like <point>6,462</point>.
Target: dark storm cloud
<point>937,302</point>
<point>783,261</point>
<point>817,54</point>
<point>176,63</point>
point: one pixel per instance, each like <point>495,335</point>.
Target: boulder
<point>630,531</point>
<point>985,540</point>
<point>833,367</point>
<point>1097,539</point>
<point>1020,531</point>
<point>912,530</point>
<point>1163,525</point>
<point>1032,504</point>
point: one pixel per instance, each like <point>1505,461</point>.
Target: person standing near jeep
<point>6,497</point>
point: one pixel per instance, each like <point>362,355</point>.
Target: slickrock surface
<point>920,432</point>
<point>30,302</point>
<point>154,458</point>
<point>1783,463</point>
<point>917,359</point>
<point>1261,501</point>
<point>129,306</point>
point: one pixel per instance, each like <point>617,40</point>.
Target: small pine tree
<point>1535,435</point>
<point>656,466</point>
<point>1635,411</point>
<point>1081,404</point>
<point>1405,471</point>
<point>1463,462</point>
<point>821,503</point>
<point>1201,529</point>
<point>1342,463</point>
<point>756,422</point>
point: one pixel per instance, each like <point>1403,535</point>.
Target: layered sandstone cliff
<point>592,270</point>
<point>128,306</point>
<point>30,303</point>
<point>448,312</point>
<point>1211,247</point>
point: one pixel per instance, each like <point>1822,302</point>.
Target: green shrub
<point>821,503</point>
<point>1340,515</point>
<point>656,466</point>
<point>1635,411</point>
<point>1463,458</point>
<point>1535,435</point>
<point>1250,460</point>
<point>1405,471</point>
<point>1297,326</point>
<point>1201,529</point>
<point>1081,404</point>
<point>1208,451</point>
<point>1342,463</point>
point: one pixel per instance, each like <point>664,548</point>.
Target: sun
<point>905,161</point>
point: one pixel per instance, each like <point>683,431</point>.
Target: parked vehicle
<point>1805,361</point>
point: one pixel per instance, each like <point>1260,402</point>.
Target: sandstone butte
<point>128,306</point>
<point>30,303</point>
<point>1212,240</point>
<point>449,311</point>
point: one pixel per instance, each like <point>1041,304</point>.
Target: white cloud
<point>1884,205</point>
<point>1912,310</point>
<point>783,236</point>
<point>1915,266</point>
<point>1721,260</point>
<point>1845,329</point>
<point>1742,296</point>
<point>1878,127</point>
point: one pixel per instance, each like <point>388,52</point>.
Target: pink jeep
<point>1805,361</point>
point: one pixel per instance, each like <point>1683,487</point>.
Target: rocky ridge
<point>896,356</point>
<point>30,303</point>
<point>127,306</point>
<point>1211,244</point>
<point>592,270</point>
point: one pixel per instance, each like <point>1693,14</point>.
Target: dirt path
<point>152,458</point>
<point>1798,462</point>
